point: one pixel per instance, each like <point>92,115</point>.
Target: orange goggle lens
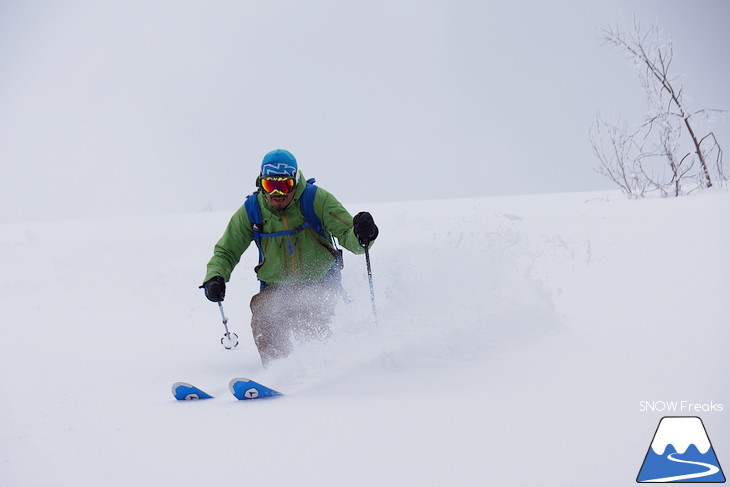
<point>281,185</point>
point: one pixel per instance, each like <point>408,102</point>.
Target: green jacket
<point>311,255</point>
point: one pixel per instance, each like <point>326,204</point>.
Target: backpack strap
<point>306,204</point>
<point>254,215</point>
<point>311,219</point>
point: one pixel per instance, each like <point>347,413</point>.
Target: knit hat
<point>280,163</point>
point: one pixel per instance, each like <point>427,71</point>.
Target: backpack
<point>306,204</point>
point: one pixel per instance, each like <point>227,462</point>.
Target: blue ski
<point>244,389</point>
<point>188,392</point>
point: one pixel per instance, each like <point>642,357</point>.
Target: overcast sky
<point>112,108</point>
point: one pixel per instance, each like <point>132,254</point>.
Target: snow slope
<point>516,338</point>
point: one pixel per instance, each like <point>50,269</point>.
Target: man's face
<point>278,191</point>
<point>279,201</point>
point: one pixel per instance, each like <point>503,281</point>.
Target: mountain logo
<point>680,452</point>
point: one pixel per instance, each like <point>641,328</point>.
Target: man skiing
<point>292,222</point>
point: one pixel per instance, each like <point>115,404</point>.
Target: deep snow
<point>516,338</point>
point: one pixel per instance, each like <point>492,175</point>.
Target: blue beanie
<point>279,162</point>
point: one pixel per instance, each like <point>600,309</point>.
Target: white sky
<point>125,108</point>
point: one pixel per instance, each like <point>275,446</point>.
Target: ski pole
<point>227,341</point>
<point>370,280</point>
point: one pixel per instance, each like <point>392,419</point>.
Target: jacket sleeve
<point>338,221</point>
<point>234,242</point>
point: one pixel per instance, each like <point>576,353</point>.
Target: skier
<point>291,221</point>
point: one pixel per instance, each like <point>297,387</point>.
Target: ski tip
<point>245,389</point>
<point>182,391</point>
<point>176,385</point>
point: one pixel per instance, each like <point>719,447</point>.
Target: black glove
<point>365,228</point>
<point>215,289</point>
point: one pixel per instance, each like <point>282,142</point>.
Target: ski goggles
<point>273,185</point>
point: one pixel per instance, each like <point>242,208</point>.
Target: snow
<point>688,430</point>
<point>516,337</point>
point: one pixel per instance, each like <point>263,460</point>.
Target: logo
<point>680,407</point>
<point>681,452</point>
<point>278,168</point>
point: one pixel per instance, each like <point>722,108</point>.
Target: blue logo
<point>278,169</point>
<point>681,452</point>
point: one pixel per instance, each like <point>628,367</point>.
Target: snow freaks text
<point>680,407</point>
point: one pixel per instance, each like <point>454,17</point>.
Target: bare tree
<point>632,162</point>
<point>620,156</point>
